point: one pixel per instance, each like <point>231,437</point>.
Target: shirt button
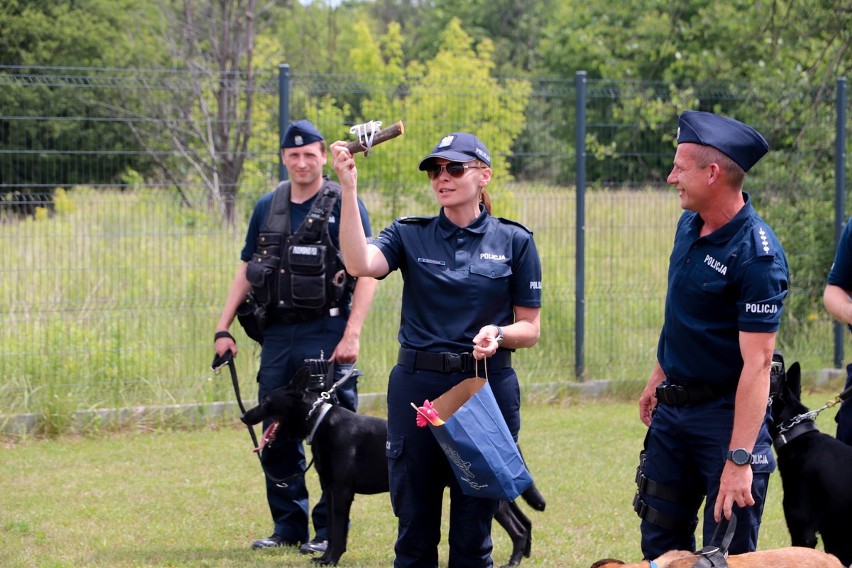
<point>688,260</point>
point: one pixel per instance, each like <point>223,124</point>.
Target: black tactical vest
<point>300,276</point>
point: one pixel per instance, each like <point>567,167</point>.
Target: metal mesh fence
<point>116,263</point>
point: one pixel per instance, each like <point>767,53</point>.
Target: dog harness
<point>324,406</point>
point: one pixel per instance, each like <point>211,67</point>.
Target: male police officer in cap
<point>706,400</point>
<point>308,311</point>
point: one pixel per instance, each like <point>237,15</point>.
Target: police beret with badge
<point>740,142</point>
<point>300,133</point>
<point>458,147</point>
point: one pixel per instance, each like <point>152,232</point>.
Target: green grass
<point>196,498</point>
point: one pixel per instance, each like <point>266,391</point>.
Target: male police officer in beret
<point>706,401</point>
<point>295,273</point>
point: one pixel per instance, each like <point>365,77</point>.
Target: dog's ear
<point>794,379</point>
<point>301,378</point>
<point>606,563</point>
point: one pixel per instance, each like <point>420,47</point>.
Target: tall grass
<point>112,301</point>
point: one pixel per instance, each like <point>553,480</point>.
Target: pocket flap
<point>491,270</point>
<point>394,445</point>
<point>306,259</point>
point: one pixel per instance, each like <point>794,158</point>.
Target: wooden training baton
<point>382,135</point>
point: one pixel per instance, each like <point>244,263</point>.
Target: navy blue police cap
<point>458,147</point>
<point>740,142</point>
<point>300,133</point>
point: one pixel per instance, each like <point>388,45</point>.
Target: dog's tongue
<point>268,436</point>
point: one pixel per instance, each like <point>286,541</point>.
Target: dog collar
<point>792,432</point>
<point>320,417</point>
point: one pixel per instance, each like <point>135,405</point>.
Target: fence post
<point>283,112</point>
<point>580,260</point>
<point>839,196</point>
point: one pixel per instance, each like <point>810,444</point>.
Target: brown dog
<point>791,557</point>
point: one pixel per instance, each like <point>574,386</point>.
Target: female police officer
<point>472,290</point>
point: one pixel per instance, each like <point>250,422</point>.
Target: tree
<point>696,54</point>
<point>207,119</point>
<point>443,99</point>
<point>85,36</point>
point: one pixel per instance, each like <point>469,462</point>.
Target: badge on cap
<point>446,141</point>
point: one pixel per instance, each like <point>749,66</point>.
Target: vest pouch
<point>252,318</point>
<point>307,276</point>
<point>259,273</point>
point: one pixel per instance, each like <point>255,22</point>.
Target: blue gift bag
<point>484,457</point>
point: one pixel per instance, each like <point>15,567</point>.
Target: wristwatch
<point>740,456</point>
<point>499,337</point>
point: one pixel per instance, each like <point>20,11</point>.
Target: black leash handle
<point>227,358</point>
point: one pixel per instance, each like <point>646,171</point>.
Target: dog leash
<point>717,556</point>
<point>220,361</point>
<point>812,414</point>
<point>713,556</point>
<point>227,358</point>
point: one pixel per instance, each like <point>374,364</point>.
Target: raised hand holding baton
<point>370,134</point>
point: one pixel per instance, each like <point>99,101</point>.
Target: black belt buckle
<point>675,395</point>
<point>640,470</point>
<point>453,362</point>
<point>639,505</point>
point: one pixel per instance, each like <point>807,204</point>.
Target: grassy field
<point>195,498</point>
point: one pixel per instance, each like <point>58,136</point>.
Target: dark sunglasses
<point>455,169</point>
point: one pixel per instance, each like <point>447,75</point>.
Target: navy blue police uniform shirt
<point>841,270</point>
<point>734,279</point>
<point>298,212</point>
<point>456,280</point>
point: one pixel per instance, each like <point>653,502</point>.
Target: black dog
<point>349,456</point>
<point>815,472</point>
